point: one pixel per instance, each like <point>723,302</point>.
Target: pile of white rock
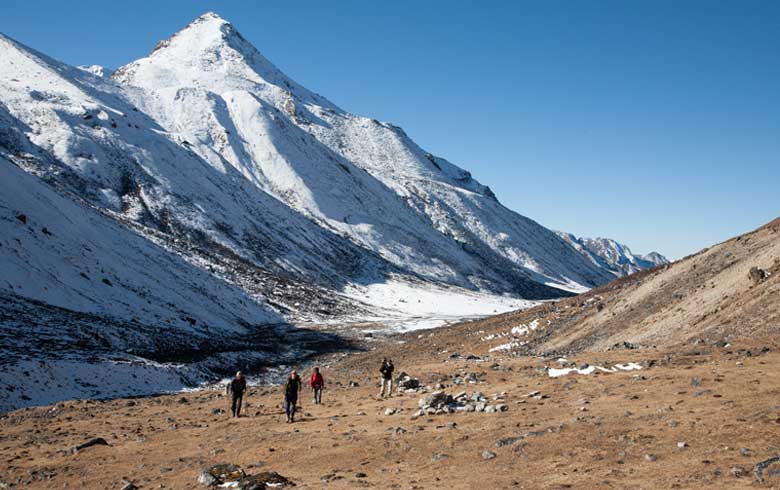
<point>439,402</point>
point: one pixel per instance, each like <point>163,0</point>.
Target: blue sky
<point>655,123</point>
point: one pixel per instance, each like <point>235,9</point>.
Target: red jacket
<point>316,380</point>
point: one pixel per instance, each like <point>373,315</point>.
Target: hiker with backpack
<point>387,377</point>
<point>291,389</point>
<point>317,383</point>
<point>236,389</point>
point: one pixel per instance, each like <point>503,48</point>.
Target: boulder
<point>408,383</point>
<point>221,473</point>
<point>757,275</point>
<point>435,399</point>
<point>263,481</point>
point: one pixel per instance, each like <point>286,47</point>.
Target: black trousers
<point>235,407</point>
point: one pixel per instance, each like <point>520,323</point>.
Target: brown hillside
<point>708,296</point>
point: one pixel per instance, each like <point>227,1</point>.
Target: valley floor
<point>694,416</point>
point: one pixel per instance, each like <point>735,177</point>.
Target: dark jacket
<point>292,387</point>
<point>237,386</point>
<point>387,370</point>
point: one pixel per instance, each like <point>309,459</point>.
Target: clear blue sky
<point>653,122</point>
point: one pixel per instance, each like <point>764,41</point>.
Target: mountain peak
<point>210,54</point>
<point>210,16</point>
<point>207,31</point>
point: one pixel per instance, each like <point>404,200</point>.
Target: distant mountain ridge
<point>613,256</point>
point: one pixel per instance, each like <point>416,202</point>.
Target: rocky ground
<point>693,415</point>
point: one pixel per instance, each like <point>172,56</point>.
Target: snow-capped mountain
<point>613,256</point>
<point>200,201</point>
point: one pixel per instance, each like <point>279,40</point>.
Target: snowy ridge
<point>364,178</point>
<point>613,256</point>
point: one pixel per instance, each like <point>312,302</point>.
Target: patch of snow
<point>557,372</point>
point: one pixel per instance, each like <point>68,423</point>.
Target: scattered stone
<point>390,411</point>
<point>651,457</point>
<point>353,384</point>
<point>738,472</point>
<point>436,399</point>
<point>682,445</point>
<point>507,441</point>
<point>488,454</point>
<point>128,485</point>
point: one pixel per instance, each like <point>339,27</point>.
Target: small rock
<point>390,411</point>
<point>651,457</point>
<point>507,441</point>
<point>682,445</point>
<point>738,472</point>
<point>439,457</point>
<point>488,454</point>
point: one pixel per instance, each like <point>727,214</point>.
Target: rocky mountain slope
<point>727,291</point>
<point>613,256</point>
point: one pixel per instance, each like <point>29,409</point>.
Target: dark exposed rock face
<point>757,275</point>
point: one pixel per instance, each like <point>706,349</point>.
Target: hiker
<point>387,377</point>
<point>317,383</point>
<point>236,388</point>
<point>291,389</point>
